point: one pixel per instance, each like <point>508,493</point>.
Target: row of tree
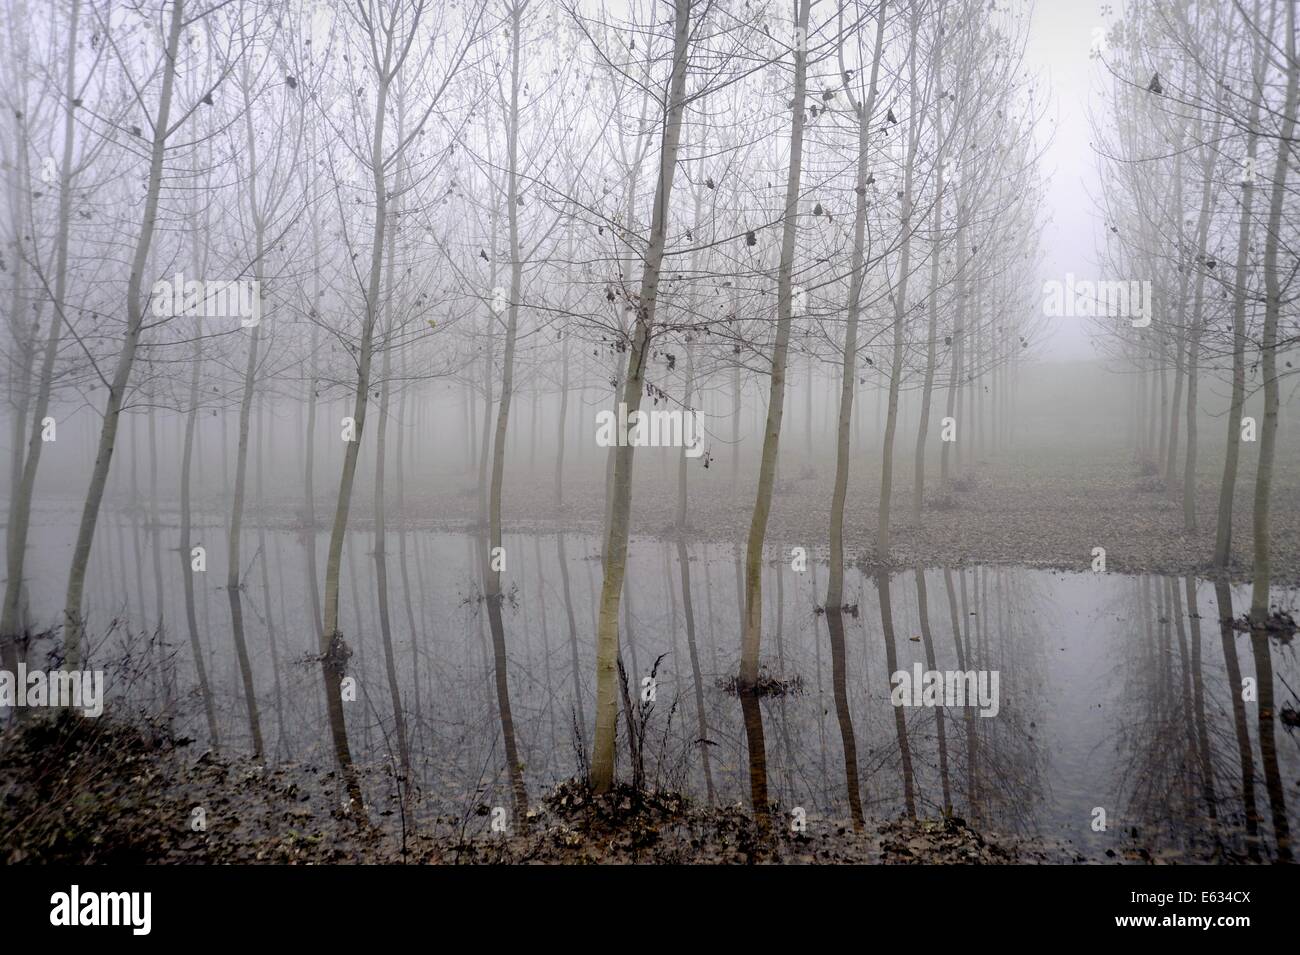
<point>666,203</point>
<point>1199,199</point>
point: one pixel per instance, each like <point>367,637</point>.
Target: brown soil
<point>77,791</point>
<point>1039,507</point>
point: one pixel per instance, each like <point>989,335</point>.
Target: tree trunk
<point>381,517</point>
<point>265,560</point>
<point>491,570</point>
<point>849,372</point>
<point>21,496</point>
<point>233,584</point>
<point>753,624</point>
<point>73,622</point>
<point>564,415</point>
<point>615,551</point>
<point>900,316</point>
<point>927,389</point>
<point>1228,486</point>
<point>334,651</point>
<point>1194,337</point>
<point>402,455</point>
<point>1259,605</point>
<point>187,571</point>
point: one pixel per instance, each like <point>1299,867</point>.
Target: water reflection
<point>1112,692</point>
<point>891,667</point>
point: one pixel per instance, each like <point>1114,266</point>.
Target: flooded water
<point>1113,693</point>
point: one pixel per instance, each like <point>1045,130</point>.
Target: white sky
<point>1060,38</point>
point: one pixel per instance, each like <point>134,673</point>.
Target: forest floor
<point>77,791</point>
<point>1042,507</point>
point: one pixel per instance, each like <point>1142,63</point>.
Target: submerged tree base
<point>1279,624</point>
<point>766,685</point>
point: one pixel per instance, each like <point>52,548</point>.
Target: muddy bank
<point>78,791</point>
<point>1035,508</point>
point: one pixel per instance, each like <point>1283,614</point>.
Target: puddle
<point>1036,700</point>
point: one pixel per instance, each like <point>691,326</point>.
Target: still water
<point>1116,693</point>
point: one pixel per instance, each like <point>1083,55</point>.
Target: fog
<point>877,410</point>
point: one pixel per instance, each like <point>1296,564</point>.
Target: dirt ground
<point>1038,507</point>
<point>76,791</point>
